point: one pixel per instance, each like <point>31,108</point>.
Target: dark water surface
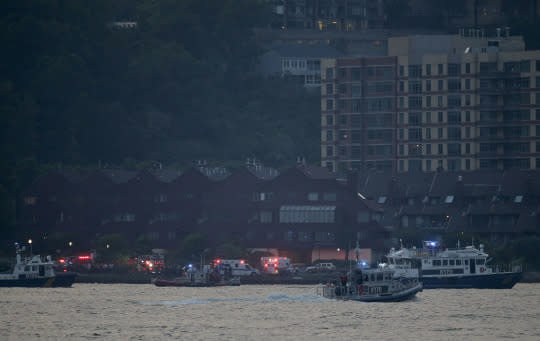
<point>262,312</point>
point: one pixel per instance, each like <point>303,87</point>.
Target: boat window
<point>373,277</point>
<point>451,261</point>
<point>445,262</point>
<point>27,268</point>
<point>458,261</point>
<point>366,278</point>
<point>379,277</point>
<point>426,261</point>
<point>436,262</point>
<point>466,262</point>
<point>479,262</point>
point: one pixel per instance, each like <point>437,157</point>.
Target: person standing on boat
<point>344,280</point>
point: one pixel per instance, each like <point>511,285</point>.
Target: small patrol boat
<point>193,277</point>
<point>457,268</point>
<point>373,285</point>
<point>34,271</point>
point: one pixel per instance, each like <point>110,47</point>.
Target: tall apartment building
<point>358,113</point>
<point>451,102</point>
<point>323,15</point>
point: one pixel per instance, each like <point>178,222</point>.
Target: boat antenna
<point>401,242</point>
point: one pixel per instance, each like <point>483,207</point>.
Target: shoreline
<point>143,278</point>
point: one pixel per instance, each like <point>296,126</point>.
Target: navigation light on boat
<point>242,262</point>
<point>363,263</point>
<point>84,257</point>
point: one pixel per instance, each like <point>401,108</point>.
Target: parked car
<point>321,267</point>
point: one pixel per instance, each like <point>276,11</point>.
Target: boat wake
<point>276,297</point>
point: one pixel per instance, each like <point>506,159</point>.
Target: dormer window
<point>30,201</point>
<point>313,196</point>
<point>518,199</point>
<point>449,199</point>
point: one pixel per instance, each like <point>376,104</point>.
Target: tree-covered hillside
<point>181,86</point>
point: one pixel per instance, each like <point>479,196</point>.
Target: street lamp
<point>70,244</point>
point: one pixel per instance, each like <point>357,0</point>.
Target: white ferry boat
<point>373,285</point>
<point>462,267</point>
<point>33,271</point>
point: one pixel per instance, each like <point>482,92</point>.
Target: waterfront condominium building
<point>446,102</point>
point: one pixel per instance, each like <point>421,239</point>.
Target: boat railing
<point>506,268</point>
<point>343,291</point>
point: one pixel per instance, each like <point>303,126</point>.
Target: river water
<point>262,312</point>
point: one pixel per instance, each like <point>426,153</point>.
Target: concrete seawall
<point>308,279</point>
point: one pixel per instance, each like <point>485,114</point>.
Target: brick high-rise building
<point>449,102</point>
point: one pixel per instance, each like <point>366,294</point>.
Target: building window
<point>329,120</point>
<point>329,89</point>
<point>467,67</point>
<point>329,196</point>
<point>428,69</point>
<point>265,217</point>
<point>440,69</point>
<point>467,148</point>
<point>329,73</point>
<point>307,214</point>
<point>160,198</point>
<point>454,117</point>
<point>329,151</point>
<point>362,217</point>
<point>329,104</point>
<point>329,135</point>
<point>440,101</point>
<point>467,84</point>
<point>313,196</point>
<point>428,101</point>
<point>467,164</point>
<point>428,165</point>
<point>428,149</point>
<point>525,66</point>
<point>402,70</point>
<point>440,133</point>
<point>467,132</point>
<point>440,148</point>
<point>428,85</point>
<point>440,84</point>
<point>30,201</point>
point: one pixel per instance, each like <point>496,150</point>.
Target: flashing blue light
<point>363,264</point>
<point>431,243</point>
<point>190,265</point>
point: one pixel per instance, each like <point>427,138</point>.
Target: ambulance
<point>275,265</point>
<point>235,267</point>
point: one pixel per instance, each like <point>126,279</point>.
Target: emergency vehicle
<point>235,267</point>
<point>275,264</point>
